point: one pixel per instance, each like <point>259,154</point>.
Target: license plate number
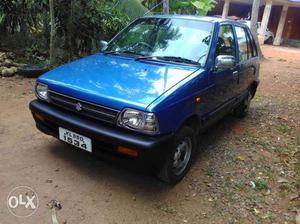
<point>75,139</point>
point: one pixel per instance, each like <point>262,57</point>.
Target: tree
<point>166,6</point>
<point>52,32</point>
<point>133,8</point>
<point>198,7</point>
<point>56,31</point>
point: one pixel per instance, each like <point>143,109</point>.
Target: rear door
<point>247,58</point>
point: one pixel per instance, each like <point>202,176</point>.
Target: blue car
<point>151,90</point>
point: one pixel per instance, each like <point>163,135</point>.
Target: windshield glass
<point>164,37</point>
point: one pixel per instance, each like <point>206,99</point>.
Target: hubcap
<point>182,155</point>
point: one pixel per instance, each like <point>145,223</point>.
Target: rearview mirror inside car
<point>102,45</point>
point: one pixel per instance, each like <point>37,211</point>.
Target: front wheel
<point>179,160</point>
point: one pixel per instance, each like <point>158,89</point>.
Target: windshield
<point>161,37</point>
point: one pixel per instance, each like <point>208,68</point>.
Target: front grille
<point>97,112</point>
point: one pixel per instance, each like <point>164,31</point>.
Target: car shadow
<point>211,138</point>
<point>132,176</point>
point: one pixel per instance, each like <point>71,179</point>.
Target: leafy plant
<point>261,184</point>
<point>79,24</point>
<point>284,129</point>
<point>133,8</point>
<point>34,56</point>
<point>198,7</point>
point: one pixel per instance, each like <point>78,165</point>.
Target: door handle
<point>236,77</point>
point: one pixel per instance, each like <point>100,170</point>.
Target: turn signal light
<point>39,117</point>
<point>127,151</point>
<point>198,99</point>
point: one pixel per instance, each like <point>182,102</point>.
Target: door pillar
<point>281,23</point>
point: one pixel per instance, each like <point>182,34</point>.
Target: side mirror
<point>224,62</point>
<point>102,45</point>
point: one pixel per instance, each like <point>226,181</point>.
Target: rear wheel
<point>179,160</point>
<point>243,109</point>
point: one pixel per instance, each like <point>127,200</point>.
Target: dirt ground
<point>248,169</point>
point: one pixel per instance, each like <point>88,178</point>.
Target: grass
<point>209,172</point>
<point>166,208</point>
<point>240,185</point>
<point>284,129</point>
<point>261,185</point>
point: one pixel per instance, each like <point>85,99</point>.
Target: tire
<point>180,158</point>
<point>270,40</point>
<point>32,71</point>
<point>243,108</point>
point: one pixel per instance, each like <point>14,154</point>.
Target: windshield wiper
<point>170,58</point>
<point>132,52</point>
<point>127,52</point>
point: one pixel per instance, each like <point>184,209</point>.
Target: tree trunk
<point>69,39</point>
<point>166,6</point>
<point>52,32</point>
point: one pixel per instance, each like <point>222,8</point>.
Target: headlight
<point>41,91</point>
<point>138,121</point>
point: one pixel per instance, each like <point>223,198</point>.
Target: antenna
<point>153,8</point>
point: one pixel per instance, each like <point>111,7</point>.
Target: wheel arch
<point>253,87</point>
<point>192,121</point>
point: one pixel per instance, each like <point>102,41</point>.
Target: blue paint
<point>167,89</point>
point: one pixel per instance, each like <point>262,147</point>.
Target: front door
<point>225,81</point>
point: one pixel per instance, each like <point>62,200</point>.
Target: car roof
<point>193,17</point>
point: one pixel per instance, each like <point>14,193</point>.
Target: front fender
<point>175,108</point>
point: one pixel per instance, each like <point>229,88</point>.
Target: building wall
<point>235,9</point>
<point>292,24</point>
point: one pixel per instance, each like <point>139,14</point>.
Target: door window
<point>225,44</point>
<point>244,51</point>
<point>252,44</point>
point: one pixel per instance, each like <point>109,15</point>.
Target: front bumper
<point>105,138</point>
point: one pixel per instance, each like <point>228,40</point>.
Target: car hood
<point>115,81</point>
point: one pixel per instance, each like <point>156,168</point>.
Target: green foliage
<point>79,25</point>
<point>198,7</point>
<point>133,8</point>
<point>33,55</point>
<point>194,7</point>
<point>261,184</point>
<point>284,129</point>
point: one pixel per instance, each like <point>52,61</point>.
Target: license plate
<point>75,139</point>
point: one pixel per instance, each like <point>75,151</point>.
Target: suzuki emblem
<point>78,107</point>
